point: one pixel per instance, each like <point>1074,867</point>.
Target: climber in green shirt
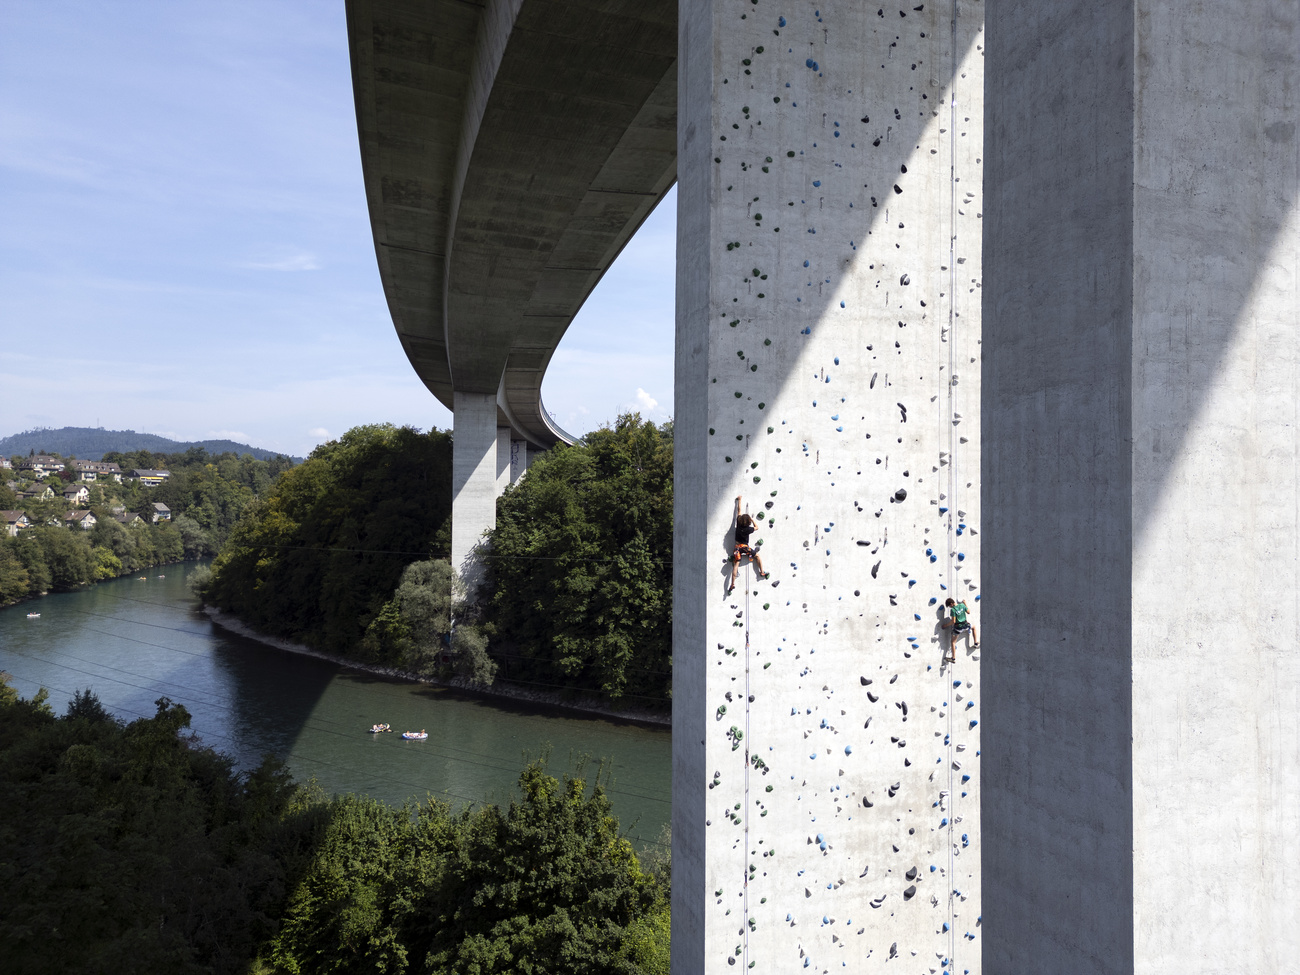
<point>960,627</point>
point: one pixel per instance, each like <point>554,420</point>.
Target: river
<point>134,641</point>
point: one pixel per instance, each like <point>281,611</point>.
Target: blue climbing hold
<point>917,615</point>
<point>848,749</point>
<point>780,22</point>
<point>805,263</point>
<point>837,360</point>
<point>817,182</point>
<point>841,304</point>
<point>974,722</point>
<point>933,868</point>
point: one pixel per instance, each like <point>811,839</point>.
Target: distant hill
<point>89,443</point>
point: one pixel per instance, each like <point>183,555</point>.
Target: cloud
<point>239,436</point>
<point>647,402</point>
<point>292,262</point>
<point>320,432</point>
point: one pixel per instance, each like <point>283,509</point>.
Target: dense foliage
<point>545,886</point>
<point>320,555</point>
<point>129,848</point>
<point>580,572</point>
<point>46,558</point>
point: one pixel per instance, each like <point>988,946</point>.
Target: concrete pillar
<point>1141,803</point>
<point>826,759</point>
<point>474,480</point>
<point>503,461</point>
<point>518,459</point>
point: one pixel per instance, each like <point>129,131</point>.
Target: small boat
<point>415,735</point>
<point>379,729</point>
<point>33,616</point>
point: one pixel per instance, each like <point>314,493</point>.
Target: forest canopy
<point>131,848</point>
<point>320,554</point>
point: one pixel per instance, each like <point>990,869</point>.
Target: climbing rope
<point>748,742</point>
<point>952,483</point>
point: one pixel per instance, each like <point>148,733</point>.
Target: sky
<point>185,248</point>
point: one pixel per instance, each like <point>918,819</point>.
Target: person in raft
<point>960,627</point>
<point>744,528</point>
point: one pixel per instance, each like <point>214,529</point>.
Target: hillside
<point>90,443</point>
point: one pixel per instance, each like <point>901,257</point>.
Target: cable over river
<point>133,642</point>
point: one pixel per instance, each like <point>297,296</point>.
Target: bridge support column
<point>826,758</point>
<point>474,481</point>
<point>1141,800</point>
<point>518,460</point>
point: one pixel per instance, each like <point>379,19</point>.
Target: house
<point>83,518</point>
<point>41,492</point>
<point>92,470</point>
<point>42,464</point>
<point>130,519</point>
<point>161,512</point>
<point>150,478</point>
<point>15,521</point>
<point>76,493</point>
<point>6,464</point>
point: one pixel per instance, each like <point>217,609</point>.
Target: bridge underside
<point>510,151</point>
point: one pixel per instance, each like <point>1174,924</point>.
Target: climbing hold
<point>899,495</point>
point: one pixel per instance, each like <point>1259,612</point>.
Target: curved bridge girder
<point>510,150</point>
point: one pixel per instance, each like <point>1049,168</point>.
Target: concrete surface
<point>475,482</point>
<point>1140,489</point>
<point>826,760</point>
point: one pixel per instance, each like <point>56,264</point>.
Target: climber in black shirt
<point>744,528</point>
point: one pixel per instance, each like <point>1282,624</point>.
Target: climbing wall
<point>827,759</point>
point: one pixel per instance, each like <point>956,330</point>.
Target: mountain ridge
<point>91,443</point>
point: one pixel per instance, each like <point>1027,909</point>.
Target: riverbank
<point>134,573</point>
<point>502,690</point>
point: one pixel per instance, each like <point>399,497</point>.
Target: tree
<point>194,540</point>
<point>319,557</point>
<point>580,574</point>
<point>107,565</point>
<point>67,554</point>
<point>15,582</point>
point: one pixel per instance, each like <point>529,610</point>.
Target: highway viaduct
<point>950,272</point>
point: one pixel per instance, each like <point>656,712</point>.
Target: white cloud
<point>237,435</point>
<point>319,432</point>
<point>647,402</point>
<point>292,262</point>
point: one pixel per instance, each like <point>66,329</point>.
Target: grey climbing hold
<point>909,893</point>
<point>900,494</point>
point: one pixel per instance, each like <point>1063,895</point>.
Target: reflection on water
<point>134,641</point>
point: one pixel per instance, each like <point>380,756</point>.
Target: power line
<point>210,705</point>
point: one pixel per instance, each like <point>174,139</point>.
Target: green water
<point>133,642</point>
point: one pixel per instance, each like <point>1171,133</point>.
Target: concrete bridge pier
<point>476,480</point>
<point>1142,501</point>
<point>486,459</point>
